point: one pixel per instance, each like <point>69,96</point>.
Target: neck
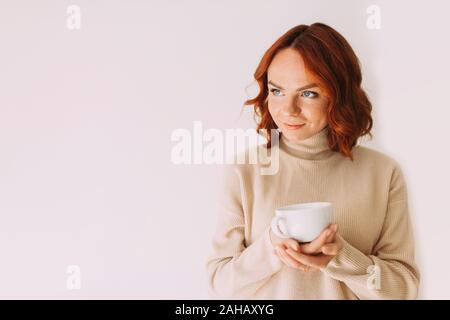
<point>314,147</point>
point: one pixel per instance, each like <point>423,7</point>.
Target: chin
<point>293,136</point>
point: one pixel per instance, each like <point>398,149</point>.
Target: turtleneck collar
<point>312,148</point>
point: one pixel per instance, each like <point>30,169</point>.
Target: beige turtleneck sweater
<point>370,206</point>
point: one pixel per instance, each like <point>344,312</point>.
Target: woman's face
<point>295,96</point>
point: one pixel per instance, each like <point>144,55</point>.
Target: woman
<point>310,91</point>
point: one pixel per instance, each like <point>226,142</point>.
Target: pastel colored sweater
<point>370,206</point>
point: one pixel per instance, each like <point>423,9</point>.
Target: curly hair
<point>328,56</point>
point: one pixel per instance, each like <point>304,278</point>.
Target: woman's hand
<point>280,245</point>
<point>315,254</point>
<point>319,252</point>
<point>326,236</point>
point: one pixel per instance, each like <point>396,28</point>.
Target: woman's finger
<point>291,243</point>
<point>330,249</point>
<point>282,258</point>
<point>288,260</point>
<point>332,235</point>
<point>311,261</point>
<point>294,255</point>
<point>315,245</point>
<point>334,229</point>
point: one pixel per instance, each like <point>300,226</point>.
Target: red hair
<point>331,59</point>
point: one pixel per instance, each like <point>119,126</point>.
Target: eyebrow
<point>311,85</point>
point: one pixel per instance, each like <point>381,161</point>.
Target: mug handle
<point>276,221</point>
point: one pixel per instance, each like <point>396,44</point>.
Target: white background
<point>86,118</point>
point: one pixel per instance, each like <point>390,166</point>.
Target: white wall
<point>86,118</point>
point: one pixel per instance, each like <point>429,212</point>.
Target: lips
<point>294,126</point>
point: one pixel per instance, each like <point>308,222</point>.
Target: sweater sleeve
<point>390,272</point>
<point>235,270</point>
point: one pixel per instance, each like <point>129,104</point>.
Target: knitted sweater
<point>370,206</point>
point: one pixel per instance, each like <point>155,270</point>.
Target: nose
<point>292,108</point>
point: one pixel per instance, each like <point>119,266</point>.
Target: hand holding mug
<point>281,245</point>
<point>289,250</point>
<point>323,252</point>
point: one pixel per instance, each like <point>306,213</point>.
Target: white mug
<point>303,222</point>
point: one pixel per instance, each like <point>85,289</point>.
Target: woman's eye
<point>275,92</point>
<point>309,94</point>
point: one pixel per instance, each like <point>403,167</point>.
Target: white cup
<point>303,222</point>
